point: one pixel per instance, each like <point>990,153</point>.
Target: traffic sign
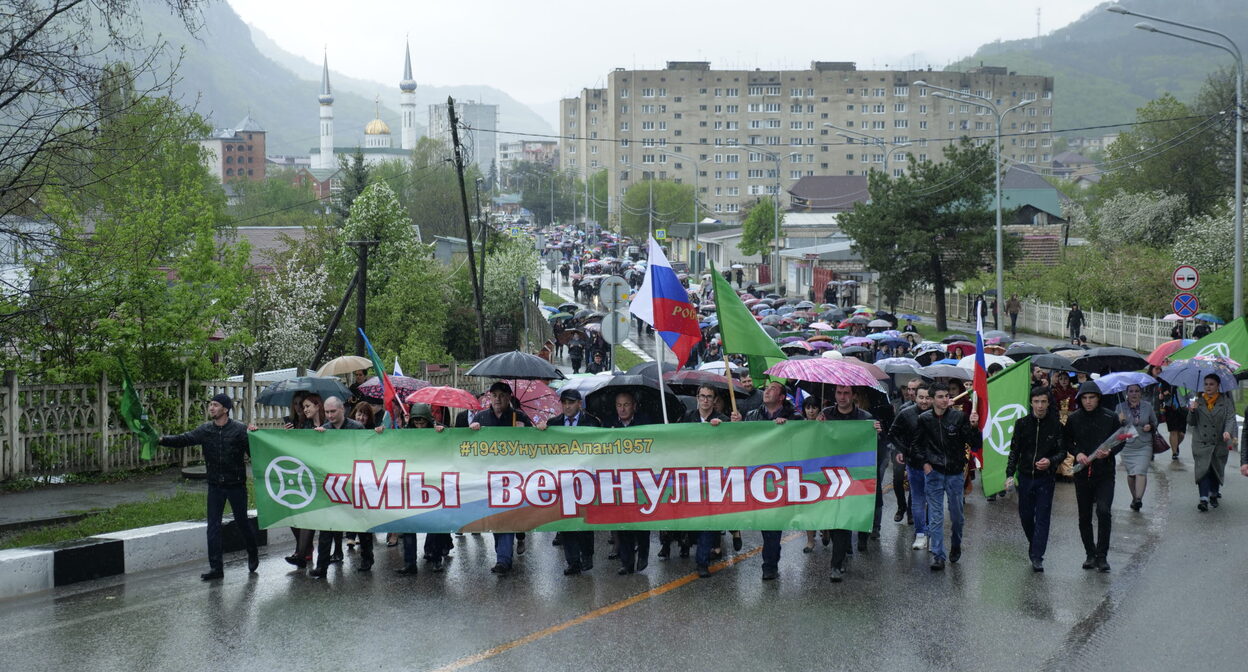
<point>615,327</point>
<point>660,234</point>
<point>1185,305</point>
<point>615,293</point>
<point>1185,278</point>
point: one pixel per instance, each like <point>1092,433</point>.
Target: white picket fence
<point>1137,332</point>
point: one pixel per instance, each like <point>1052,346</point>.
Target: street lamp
<point>697,167</point>
<point>1233,50</point>
<point>775,203</point>
<point>1000,115</point>
<point>878,141</point>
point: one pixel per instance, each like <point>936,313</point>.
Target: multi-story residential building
<point>744,134</point>
<point>478,132</point>
<point>532,151</point>
<point>236,153</point>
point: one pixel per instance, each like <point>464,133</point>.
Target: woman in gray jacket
<point>1138,452</point>
<point>1211,421</point>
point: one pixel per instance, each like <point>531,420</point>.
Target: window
<point>922,91</point>
<point>755,173</point>
<point>922,125</point>
<point>795,109</point>
<point>795,93</point>
<point>901,123</point>
<point>647,125</point>
<point>732,175</point>
<point>878,109</point>
<point>773,139</point>
<point>647,93</point>
<point>647,109</point>
<point>964,109</point>
<point>922,109</point>
<point>733,126</point>
<point>624,126</point>
<point>773,123</point>
<point>624,109</point>
<point>899,107</point>
<point>662,93</point>
<point>878,93</point>
<point>901,90</point>
<point>795,174</point>
<point>733,207</point>
<point>733,109</point>
<point>922,157</point>
<point>755,189</point>
<point>733,93</point>
<point>849,107</point>
<point>647,158</point>
<point>754,107</point>
<point>900,156</point>
<point>772,107</point>
<point>733,158</point>
<point>734,191</point>
<point>755,91</point>
<point>662,125</point>
<point>755,157</point>
<point>623,93</point>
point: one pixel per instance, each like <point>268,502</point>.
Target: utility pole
<point>361,287</point>
<point>477,289</point>
<point>485,233</point>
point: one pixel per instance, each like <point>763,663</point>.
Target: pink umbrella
<point>800,345</point>
<point>444,396</point>
<point>534,397</point>
<point>1160,356</point>
<point>1172,318</point>
<point>858,340</point>
<point>825,371</point>
<point>822,326</point>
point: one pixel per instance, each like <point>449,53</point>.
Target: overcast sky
<point>540,51</point>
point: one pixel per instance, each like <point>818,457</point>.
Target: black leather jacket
<point>787,411</point>
<point>225,447</point>
<point>905,433</point>
<point>1035,439</point>
<point>942,440</point>
<point>1084,432</point>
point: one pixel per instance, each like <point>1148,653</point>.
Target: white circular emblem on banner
<point>290,482</point>
<point>1215,350</point>
<point>998,435</point>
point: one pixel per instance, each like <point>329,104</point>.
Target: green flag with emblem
<point>1229,341</point>
<point>1009,395</point>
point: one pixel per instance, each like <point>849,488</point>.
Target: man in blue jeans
<point>1035,451</point>
<point>501,413</point>
<point>944,435</point>
<point>905,434</point>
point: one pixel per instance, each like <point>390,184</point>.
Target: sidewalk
<point>61,503</point>
<point>1034,339</point>
<point>562,291</point>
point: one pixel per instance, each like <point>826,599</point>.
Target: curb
<point>38,568</point>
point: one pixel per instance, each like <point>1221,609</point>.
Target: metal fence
<point>1137,332</point>
<point>69,428</point>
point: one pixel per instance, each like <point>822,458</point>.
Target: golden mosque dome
<point>377,127</point>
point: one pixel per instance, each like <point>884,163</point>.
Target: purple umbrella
<point>858,340</point>
<point>821,345</point>
<point>825,371</point>
<point>789,339</point>
<point>403,386</point>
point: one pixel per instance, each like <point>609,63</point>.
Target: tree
<point>1149,218</point>
<point>1170,153</point>
<point>654,204</point>
<point>377,215</point>
<point>355,177</point>
<point>512,259</point>
<point>598,199</point>
<point>275,201</point>
<point>282,320</point>
<point>931,225</point>
<point>759,228</point>
<point>138,272</point>
<point>542,185</point>
<point>67,68</point>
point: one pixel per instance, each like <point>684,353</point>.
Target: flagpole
<point>658,363</point>
<point>728,374</point>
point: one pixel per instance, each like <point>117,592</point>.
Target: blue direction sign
<point>1185,305</point>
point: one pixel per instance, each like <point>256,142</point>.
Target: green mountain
<point>1104,69</point>
<point>224,76</point>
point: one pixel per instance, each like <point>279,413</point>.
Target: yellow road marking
<point>603,611</point>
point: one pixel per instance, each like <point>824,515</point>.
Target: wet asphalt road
<point>1175,600</point>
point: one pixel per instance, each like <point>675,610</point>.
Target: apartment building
<point>744,134</point>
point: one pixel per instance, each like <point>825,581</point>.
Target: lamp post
<point>697,167</point>
<point>775,202</point>
<point>1000,115</point>
<point>880,142</point>
<point>1233,50</point>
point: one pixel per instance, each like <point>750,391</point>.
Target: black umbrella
<point>1001,336</point>
<point>771,331</point>
<point>583,313</point>
<point>854,350</point>
<point>515,365</point>
<point>282,392</point>
<point>568,308</point>
<point>1110,359</point>
<point>1051,362</point>
<point>954,338</point>
<point>1021,349</point>
<point>601,402</point>
<point>647,368</point>
<point>1064,347</point>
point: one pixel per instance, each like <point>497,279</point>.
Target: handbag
<point>1160,445</point>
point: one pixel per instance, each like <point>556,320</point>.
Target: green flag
<point>741,333</point>
<point>1229,341</point>
<point>1009,397</point>
<point>131,411</point>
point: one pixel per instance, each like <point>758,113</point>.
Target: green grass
<point>930,333</point>
<point>625,359</point>
<point>185,505</point>
<point>550,298</point>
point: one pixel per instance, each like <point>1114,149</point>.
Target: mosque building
<point>377,146</point>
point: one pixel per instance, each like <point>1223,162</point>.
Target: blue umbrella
<point>550,309</point>
<point>912,318</point>
<point>1114,383</point>
<point>1190,373</point>
<point>1210,318</point>
<point>948,361</point>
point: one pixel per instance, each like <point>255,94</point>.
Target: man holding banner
<point>843,539</point>
<point>1035,452</point>
<point>502,413</point>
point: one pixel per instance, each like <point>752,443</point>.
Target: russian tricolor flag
<point>981,370</point>
<point>663,303</point>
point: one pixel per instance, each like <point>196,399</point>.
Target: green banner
<point>747,475</point>
<point>1009,395</point>
<point>1230,341</point>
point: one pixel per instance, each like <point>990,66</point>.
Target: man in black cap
<point>578,547</point>
<point>225,448</point>
<point>501,413</point>
<point>1085,432</point>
